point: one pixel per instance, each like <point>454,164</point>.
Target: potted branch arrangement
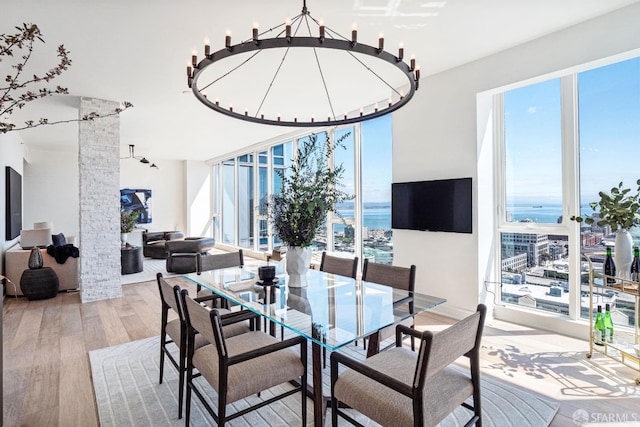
<point>310,189</point>
<point>127,224</point>
<point>619,209</point>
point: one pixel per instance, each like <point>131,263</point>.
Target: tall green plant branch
<point>17,93</point>
<point>310,189</point>
<point>618,209</point>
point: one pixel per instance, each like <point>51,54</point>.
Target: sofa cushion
<point>58,239</point>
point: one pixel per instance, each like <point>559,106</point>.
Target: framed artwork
<point>138,200</point>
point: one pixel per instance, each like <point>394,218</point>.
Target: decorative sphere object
<point>267,273</point>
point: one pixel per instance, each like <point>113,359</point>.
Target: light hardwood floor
<point>47,380</point>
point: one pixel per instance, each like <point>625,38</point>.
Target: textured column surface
<point>99,161</point>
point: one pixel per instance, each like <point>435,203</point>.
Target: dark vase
<point>35,259</point>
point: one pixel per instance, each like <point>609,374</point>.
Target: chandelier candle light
<point>286,38</point>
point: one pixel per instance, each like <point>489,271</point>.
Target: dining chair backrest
<point>397,277</point>
<point>207,262</point>
<point>347,267</point>
<point>441,349</point>
<point>169,293</point>
<point>206,322</point>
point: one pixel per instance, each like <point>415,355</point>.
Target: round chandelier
<point>334,72</point>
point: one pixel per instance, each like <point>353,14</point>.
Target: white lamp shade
<point>44,224</point>
<point>40,237</point>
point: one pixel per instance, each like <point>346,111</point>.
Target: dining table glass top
<point>330,310</point>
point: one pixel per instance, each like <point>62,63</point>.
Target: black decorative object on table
<point>40,283</point>
<point>267,273</point>
<point>35,259</point>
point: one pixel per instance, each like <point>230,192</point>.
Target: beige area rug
<point>125,379</point>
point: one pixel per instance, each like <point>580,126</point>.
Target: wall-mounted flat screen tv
<point>439,205</point>
<point>13,203</point>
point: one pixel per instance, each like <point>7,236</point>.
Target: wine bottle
<point>635,265</point>
<point>598,328</point>
<point>608,324</point>
<point>609,267</point>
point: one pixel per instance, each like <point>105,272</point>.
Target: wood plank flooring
<point>47,379</point>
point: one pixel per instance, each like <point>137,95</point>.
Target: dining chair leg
<point>162,338</point>
<point>181,373</point>
<point>222,409</point>
<point>303,383</point>
<point>187,409</point>
<point>334,401</point>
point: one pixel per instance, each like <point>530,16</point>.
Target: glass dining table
<point>331,311</point>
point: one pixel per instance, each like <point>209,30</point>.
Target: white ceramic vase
<point>123,238</point>
<point>623,253</point>
<point>297,264</point>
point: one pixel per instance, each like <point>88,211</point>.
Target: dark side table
<point>40,283</point>
<point>131,259</point>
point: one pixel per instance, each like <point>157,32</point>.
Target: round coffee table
<point>131,259</point>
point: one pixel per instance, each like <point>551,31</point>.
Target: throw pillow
<point>58,239</point>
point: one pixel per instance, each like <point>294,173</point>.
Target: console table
<point>131,259</point>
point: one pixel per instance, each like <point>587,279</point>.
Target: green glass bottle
<point>608,324</point>
<point>598,328</point>
<point>609,266</point>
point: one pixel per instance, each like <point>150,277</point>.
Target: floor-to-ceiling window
<point>533,249</point>
<point>609,106</point>
<point>361,226</point>
<point>561,141</point>
<point>376,190</point>
<point>245,201</point>
<point>228,202</point>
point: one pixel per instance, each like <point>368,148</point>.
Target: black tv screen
<point>439,205</point>
<point>13,203</point>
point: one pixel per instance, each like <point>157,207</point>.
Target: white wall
<point>167,186</point>
<point>198,204</point>
<point>51,190</point>
<point>11,154</point>
<point>441,134</point>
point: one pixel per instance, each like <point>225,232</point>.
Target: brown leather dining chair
<point>239,366</point>
<point>400,387</point>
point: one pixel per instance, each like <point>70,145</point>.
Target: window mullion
<point>570,182</point>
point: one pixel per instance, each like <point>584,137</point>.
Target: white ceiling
<point>137,50</point>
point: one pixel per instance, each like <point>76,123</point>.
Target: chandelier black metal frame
<point>327,39</point>
<point>141,159</point>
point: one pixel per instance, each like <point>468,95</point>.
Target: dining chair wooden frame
<point>403,278</point>
<point>398,386</point>
<point>206,262</point>
<point>169,299</point>
<point>226,359</point>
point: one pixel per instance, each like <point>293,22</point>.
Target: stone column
<point>99,174</point>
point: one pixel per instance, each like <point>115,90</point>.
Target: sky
<point>609,129</point>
